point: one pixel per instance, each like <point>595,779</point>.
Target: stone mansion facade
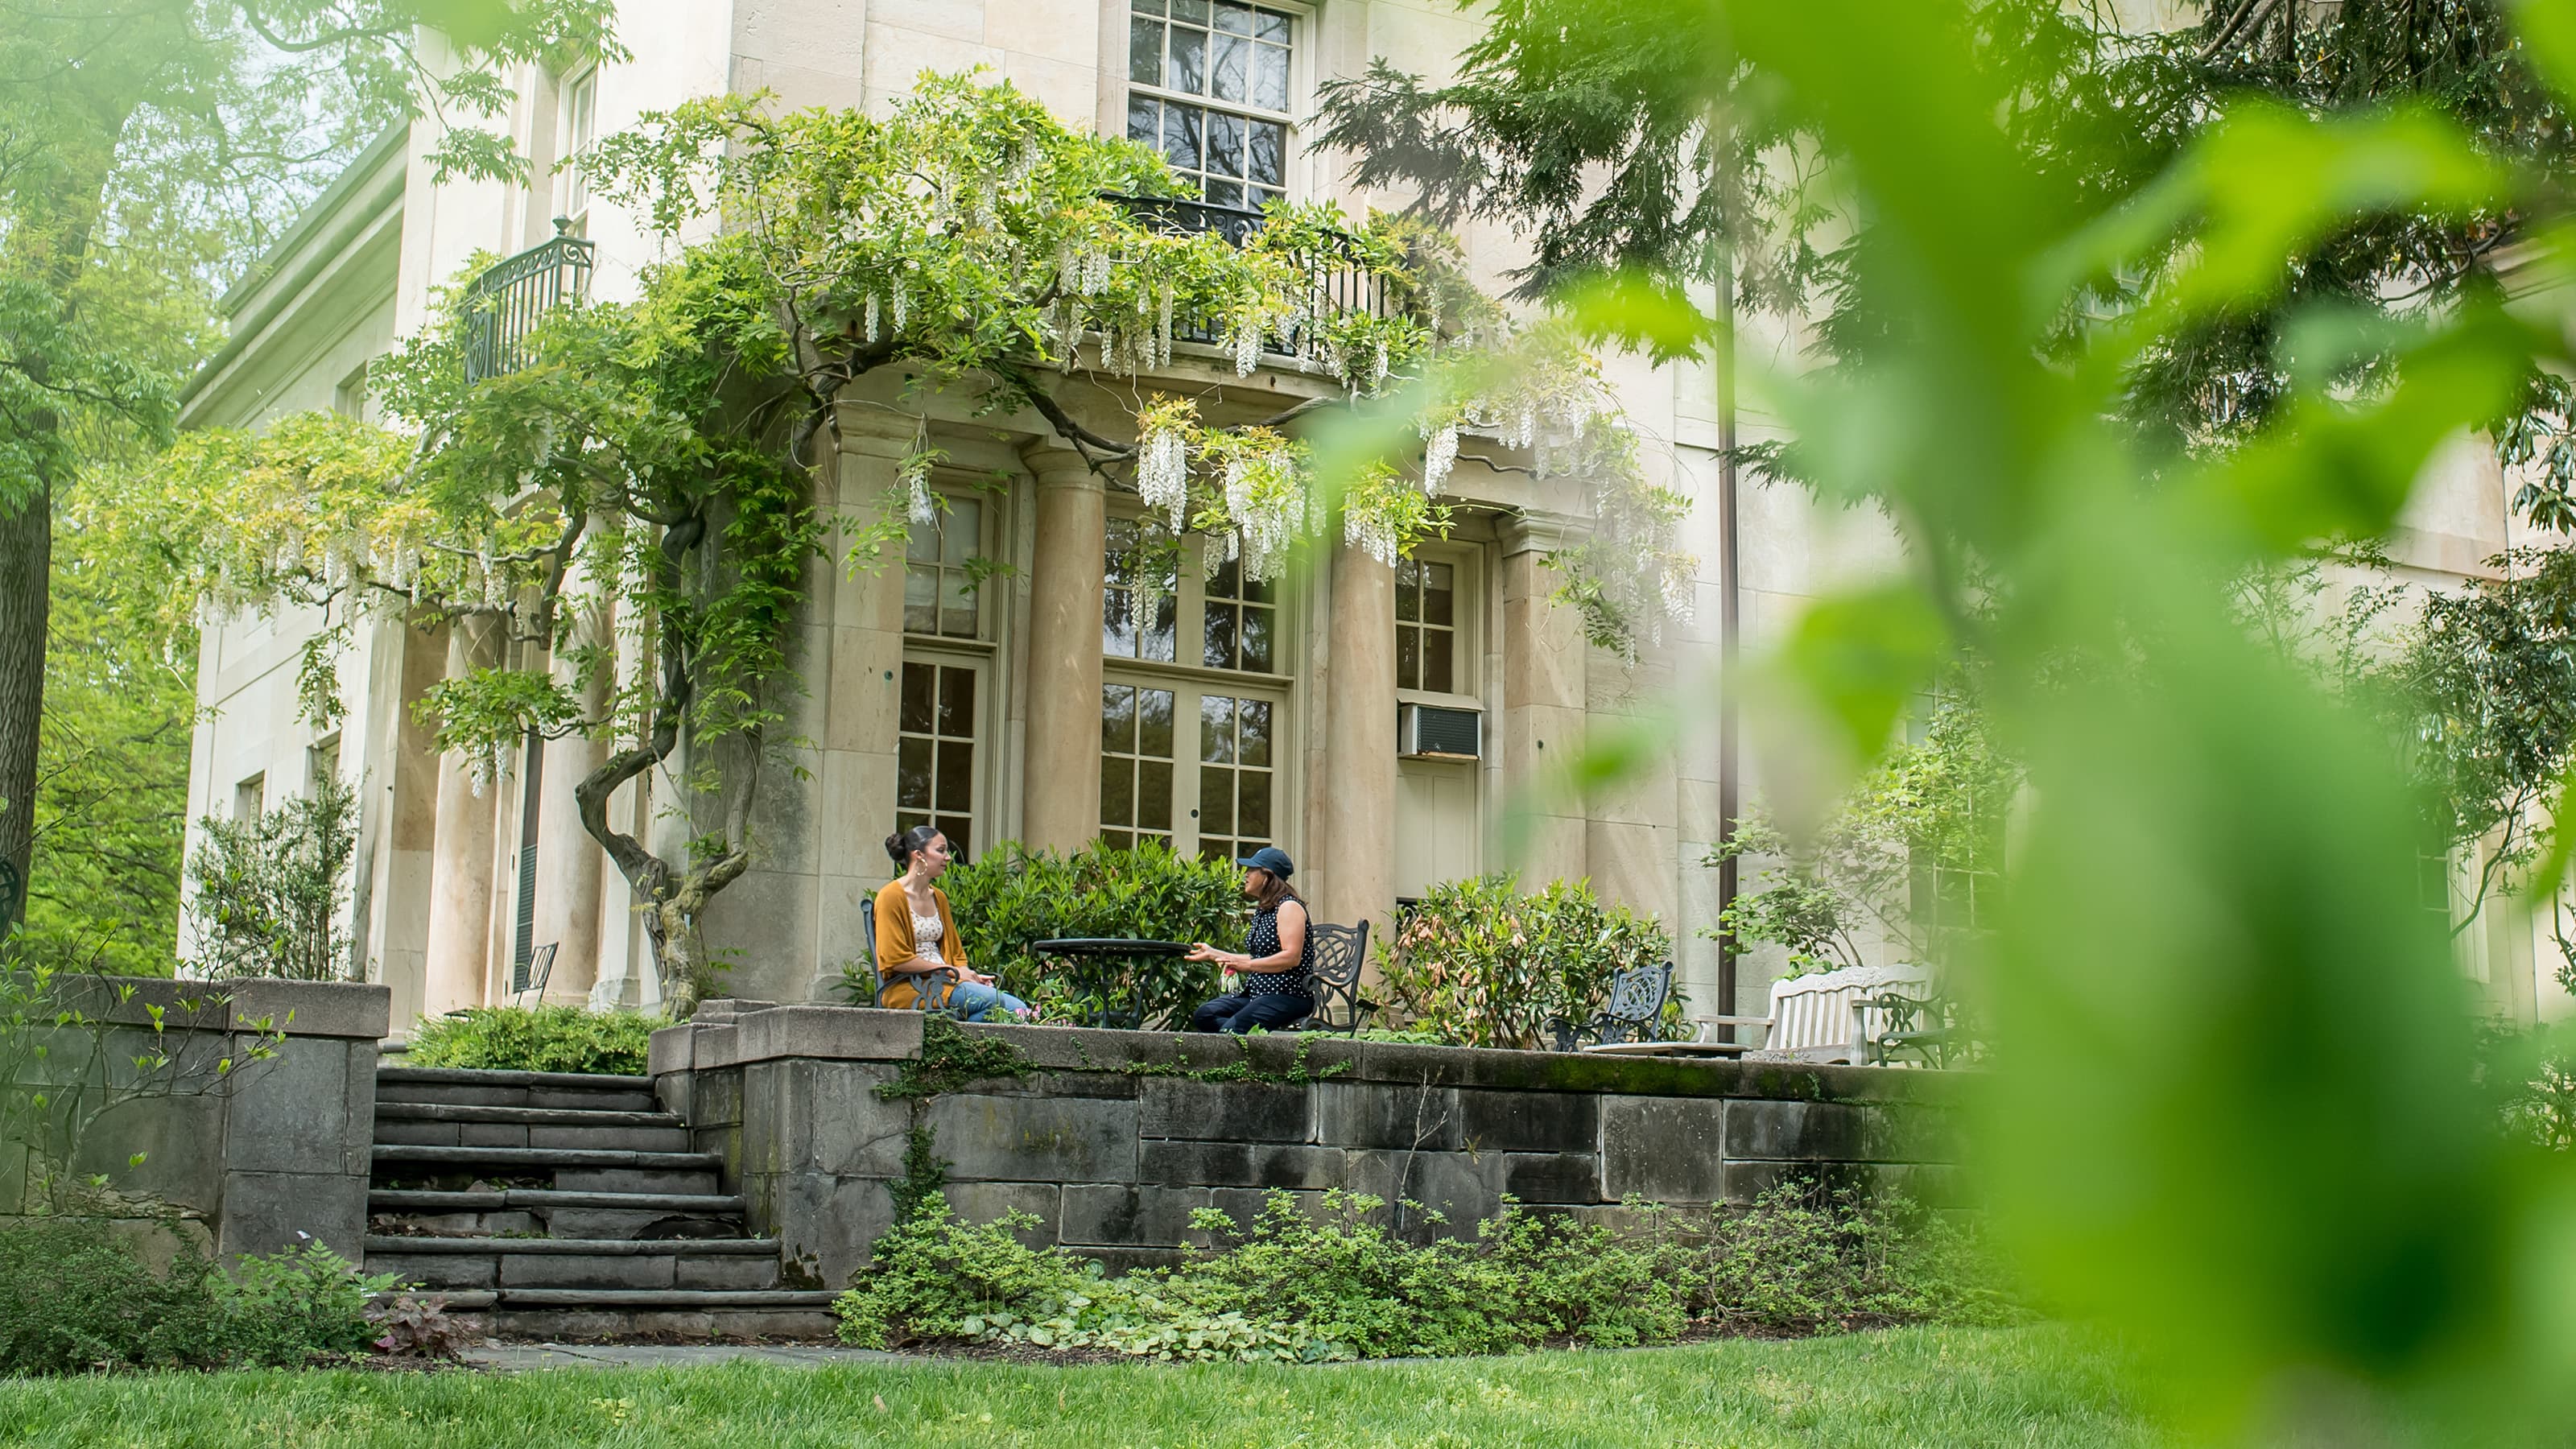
<point>1392,728</point>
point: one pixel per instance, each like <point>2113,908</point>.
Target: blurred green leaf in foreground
<point>2234,1101</point>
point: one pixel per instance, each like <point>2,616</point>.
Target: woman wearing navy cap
<point>1272,977</point>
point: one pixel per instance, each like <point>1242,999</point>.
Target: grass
<point>2029,1388</point>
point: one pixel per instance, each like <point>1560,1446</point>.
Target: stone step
<point>572,1315</point>
<point>447,1124</point>
<point>459,1087</point>
<point>568,1263</point>
<point>566,1169</point>
<point>486,1212</point>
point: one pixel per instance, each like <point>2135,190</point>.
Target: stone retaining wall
<point>253,1156</point>
<point>1116,1137</point>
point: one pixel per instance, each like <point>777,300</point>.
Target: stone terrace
<point>1115,1137</point>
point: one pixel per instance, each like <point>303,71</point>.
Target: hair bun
<point>894,848</point>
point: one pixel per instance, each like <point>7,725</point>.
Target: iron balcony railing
<point>1336,282</point>
<point>502,305</point>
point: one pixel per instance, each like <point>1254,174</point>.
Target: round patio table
<point>1109,948</point>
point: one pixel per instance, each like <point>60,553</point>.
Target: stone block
<point>292,1113</point>
<point>1491,1121</point>
<point>669,1050</point>
<point>689,1180</point>
<point>439,1271</point>
<point>832,1032</point>
<point>1025,1139</point>
<point>1112,1213</point>
<point>1549,1177</point>
<point>1455,1185</point>
<point>1223,1111</point>
<point>715,1046</point>
<point>636,1139</point>
<point>1907,1132</point>
<point>1795,1131</point>
<point>725,1271</point>
<point>824,1225</point>
<point>409,1132</point>
<point>1668,1149</point>
<point>1241,1164</point>
<point>984,1202</point>
<point>182,1142</point>
<point>715,1098</point>
<point>581,1270</point>
<point>264,1211</point>
<point>1386,1114</point>
<point>1747,1181</point>
<point>157,1242</point>
<point>348,1009</point>
<point>823,1116</point>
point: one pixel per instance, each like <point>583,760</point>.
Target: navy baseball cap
<point>1272,859</point>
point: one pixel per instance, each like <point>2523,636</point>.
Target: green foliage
<point>1009,897</point>
<point>1901,856</point>
<point>1300,1283</point>
<point>76,1297</point>
<point>272,891</point>
<point>1480,963</point>
<point>950,1058</point>
<point>538,1039</point>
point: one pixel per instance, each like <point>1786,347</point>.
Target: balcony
<point>1337,285</point>
<point>502,306</point>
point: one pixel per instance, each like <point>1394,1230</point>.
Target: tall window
<point>581,127</point>
<point>1208,86</point>
<point>1140,596</point>
<point>935,751</point>
<point>1135,764</point>
<point>1426,626</point>
<point>1239,621</point>
<point>1237,779</point>
<point>939,590</point>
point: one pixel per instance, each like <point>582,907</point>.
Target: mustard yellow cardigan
<point>895,944</point>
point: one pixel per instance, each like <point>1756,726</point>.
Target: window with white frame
<point>580,128</point>
<point>1208,86</point>
<point>942,591</point>
<point>946,692</point>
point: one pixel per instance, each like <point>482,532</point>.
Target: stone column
<point>569,862</point>
<point>460,872</point>
<point>1060,803</point>
<point>1357,846</point>
<point>1543,699</point>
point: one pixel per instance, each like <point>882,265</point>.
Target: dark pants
<point>1239,1013</point>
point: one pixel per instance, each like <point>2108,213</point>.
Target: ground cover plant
<point>1330,1280</point>
<point>538,1039</point>
<point>2042,1388</point>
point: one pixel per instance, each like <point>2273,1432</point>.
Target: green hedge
<point>1483,963</point>
<point>537,1039</point>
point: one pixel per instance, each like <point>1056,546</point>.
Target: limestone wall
<point>1115,1137</point>
<point>255,1155</point>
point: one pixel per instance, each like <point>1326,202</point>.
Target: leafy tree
<point>649,461</point>
<point>271,890</point>
<point>145,133</point>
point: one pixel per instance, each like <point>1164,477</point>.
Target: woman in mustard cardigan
<point>915,934</point>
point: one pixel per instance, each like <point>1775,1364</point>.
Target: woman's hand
<point>1202,951</point>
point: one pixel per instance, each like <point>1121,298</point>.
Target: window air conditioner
<point>1429,732</point>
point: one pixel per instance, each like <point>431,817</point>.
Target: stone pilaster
<point>569,862</point>
<point>1543,702</point>
<point>460,878</point>
<point>1060,801</point>
<point>1355,849</point>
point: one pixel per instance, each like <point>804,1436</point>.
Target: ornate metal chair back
<point>1340,952</point>
<point>1637,997</point>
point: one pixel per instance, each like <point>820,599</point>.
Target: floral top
<point>1264,941</point>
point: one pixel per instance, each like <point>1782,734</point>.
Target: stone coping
<point>349,1009</point>
<point>736,1033</point>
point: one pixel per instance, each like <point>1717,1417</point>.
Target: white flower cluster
<point>1163,474</point>
<point>1439,455</point>
<point>1370,533</point>
<point>916,487</point>
<point>1266,498</point>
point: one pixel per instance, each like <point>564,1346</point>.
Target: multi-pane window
<point>935,751</point>
<point>1426,626</point>
<point>1208,87</point>
<point>581,127</point>
<point>939,592</point>
<point>1135,764</point>
<point>1239,621</point>
<point>1140,596</point>
<point>2433,883</point>
<point>1238,779</point>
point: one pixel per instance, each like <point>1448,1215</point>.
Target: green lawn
<point>2027,1388</point>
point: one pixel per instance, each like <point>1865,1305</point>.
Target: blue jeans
<point>1239,1013</point>
<point>974,1001</point>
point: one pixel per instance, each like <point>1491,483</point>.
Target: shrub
<point>1294,1284</point>
<point>1480,963</point>
<point>1009,897</point>
<point>75,1297</point>
<point>538,1039</point>
<point>271,890</point>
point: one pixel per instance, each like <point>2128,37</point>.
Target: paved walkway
<point>518,1357</point>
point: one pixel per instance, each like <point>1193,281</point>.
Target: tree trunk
<point>26,565</point>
